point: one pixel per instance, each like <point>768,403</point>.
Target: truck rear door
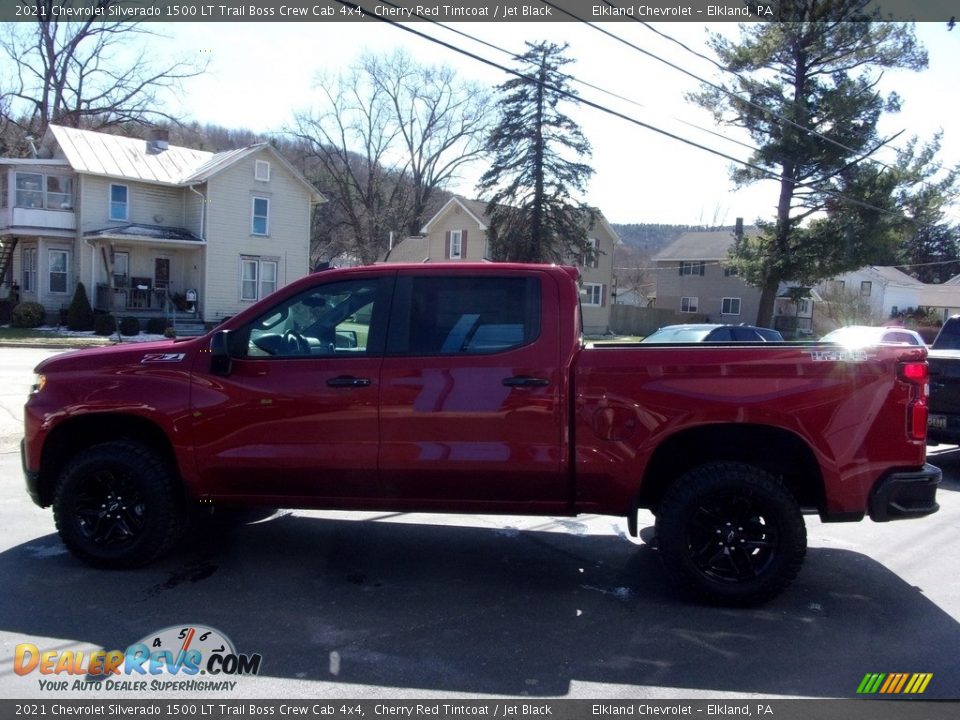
<point>472,412</point>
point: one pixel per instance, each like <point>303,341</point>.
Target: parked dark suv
<point>711,332</point>
<point>943,421</point>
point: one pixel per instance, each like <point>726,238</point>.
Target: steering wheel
<point>295,344</point>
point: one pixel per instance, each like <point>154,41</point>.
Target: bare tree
<point>634,272</point>
<point>385,138</point>
<point>349,139</point>
<point>442,123</point>
<point>84,73</point>
<point>844,307</point>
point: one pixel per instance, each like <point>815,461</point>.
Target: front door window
<point>121,270</point>
<point>161,273</point>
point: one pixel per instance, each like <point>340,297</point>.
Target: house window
<point>29,190</point>
<point>268,277</point>
<point>803,306</point>
<point>456,244</point>
<point>866,287</point>
<point>258,278</point>
<point>730,271</point>
<point>30,270</point>
<point>693,268</point>
<point>51,192</point>
<point>260,223</point>
<point>119,202</point>
<point>591,258</point>
<point>729,306</point>
<point>261,171</point>
<point>688,304</point>
<point>592,295</point>
<point>59,192</point>
<point>59,268</point>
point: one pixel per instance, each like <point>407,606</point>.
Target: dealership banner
<point>403,11</point>
<point>516,709</point>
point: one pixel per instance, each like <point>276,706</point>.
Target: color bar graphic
<point>894,683</point>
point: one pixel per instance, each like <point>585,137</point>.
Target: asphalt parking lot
<point>402,606</point>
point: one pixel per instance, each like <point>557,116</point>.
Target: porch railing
<point>111,299</point>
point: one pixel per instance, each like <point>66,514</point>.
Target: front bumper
<point>32,478</point>
<point>905,495</point>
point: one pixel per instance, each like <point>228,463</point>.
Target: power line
<point>514,56</point>
<point>708,83</point>
<point>884,146</point>
<point>589,103</point>
<point>730,93</point>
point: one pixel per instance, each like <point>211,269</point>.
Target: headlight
<point>38,382</point>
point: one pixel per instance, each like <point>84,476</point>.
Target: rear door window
<point>464,315</point>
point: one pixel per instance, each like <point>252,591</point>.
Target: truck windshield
<point>949,337</point>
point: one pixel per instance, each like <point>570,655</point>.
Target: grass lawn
<point>49,334</point>
<point>12,333</point>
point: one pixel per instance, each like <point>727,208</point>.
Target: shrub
<point>80,314</point>
<point>129,326</point>
<point>170,332</point>
<point>104,324</point>
<point>157,326</point>
<point>6,311</point>
<point>28,315</point>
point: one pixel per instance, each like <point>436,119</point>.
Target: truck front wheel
<point>116,505</point>
<point>731,534</point>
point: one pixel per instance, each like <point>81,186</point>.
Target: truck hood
<point>162,351</point>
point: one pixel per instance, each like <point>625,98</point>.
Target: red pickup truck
<point>469,388</point>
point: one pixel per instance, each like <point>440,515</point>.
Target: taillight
<point>916,374</point>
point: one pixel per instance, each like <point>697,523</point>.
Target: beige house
<point>151,229</point>
<point>459,232</point>
<point>694,278</point>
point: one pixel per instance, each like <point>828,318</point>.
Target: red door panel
<point>471,394</point>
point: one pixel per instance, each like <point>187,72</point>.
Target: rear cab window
<point>460,315</point>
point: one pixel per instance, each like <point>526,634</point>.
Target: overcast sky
<point>261,73</point>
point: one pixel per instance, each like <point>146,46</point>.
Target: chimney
<point>738,229</point>
<point>159,141</point>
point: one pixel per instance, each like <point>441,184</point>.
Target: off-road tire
<point>731,534</point>
<point>117,505</point>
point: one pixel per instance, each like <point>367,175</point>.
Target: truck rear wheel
<point>116,505</point>
<point>731,534</point>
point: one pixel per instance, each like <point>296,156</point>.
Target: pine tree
<point>804,87</point>
<point>529,187</point>
<point>80,314</point>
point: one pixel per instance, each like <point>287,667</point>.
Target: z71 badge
<point>163,357</point>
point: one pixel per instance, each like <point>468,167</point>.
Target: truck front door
<point>297,416</point>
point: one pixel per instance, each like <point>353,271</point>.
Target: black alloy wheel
<point>731,534</point>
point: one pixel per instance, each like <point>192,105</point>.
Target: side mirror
<point>220,361</point>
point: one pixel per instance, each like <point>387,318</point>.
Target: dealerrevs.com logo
<point>177,658</point>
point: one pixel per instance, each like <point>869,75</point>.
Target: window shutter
<point>446,252</point>
<point>463,244</point>
<point>680,268</point>
<point>703,268</point>
<point>603,296</point>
